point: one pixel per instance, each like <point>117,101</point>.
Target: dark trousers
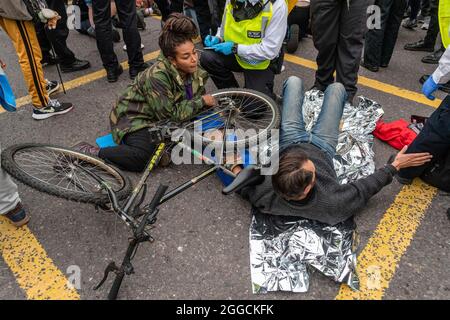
<point>338,33</point>
<point>221,68</point>
<point>126,10</point>
<point>134,152</point>
<point>217,14</point>
<point>300,16</point>
<point>164,7</point>
<point>434,138</point>
<point>433,29</point>
<point>425,8</point>
<point>380,43</point>
<point>415,7</point>
<point>56,37</point>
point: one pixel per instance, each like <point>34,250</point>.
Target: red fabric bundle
<point>396,133</point>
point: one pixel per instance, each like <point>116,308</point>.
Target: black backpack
<point>438,175</point>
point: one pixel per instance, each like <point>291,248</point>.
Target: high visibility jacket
<point>247,32</point>
<point>444,21</point>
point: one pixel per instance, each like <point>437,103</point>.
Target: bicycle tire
<point>260,137</point>
<point>17,171</point>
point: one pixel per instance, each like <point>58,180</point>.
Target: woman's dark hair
<point>291,179</point>
<point>177,29</point>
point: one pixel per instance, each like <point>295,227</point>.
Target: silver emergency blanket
<point>284,249</point>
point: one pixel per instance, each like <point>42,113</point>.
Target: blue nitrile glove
<point>225,48</point>
<point>211,40</point>
<point>429,87</point>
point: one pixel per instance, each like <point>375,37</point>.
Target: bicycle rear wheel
<point>249,113</point>
<point>64,173</point>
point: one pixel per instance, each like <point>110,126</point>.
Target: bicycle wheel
<point>242,110</point>
<point>63,173</point>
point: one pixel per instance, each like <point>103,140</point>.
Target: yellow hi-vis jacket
<point>444,21</point>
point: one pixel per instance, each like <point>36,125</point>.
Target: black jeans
<point>126,10</point>
<point>164,7</point>
<point>202,11</point>
<point>380,43</point>
<point>415,7</point>
<point>433,29</point>
<point>56,37</point>
<point>217,14</point>
<point>434,138</point>
<point>221,68</point>
<point>338,33</point>
<point>133,154</point>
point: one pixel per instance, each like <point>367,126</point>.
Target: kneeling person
<point>173,88</point>
<point>306,183</point>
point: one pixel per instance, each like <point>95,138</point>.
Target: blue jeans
<point>325,132</point>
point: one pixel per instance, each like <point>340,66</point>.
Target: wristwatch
<point>235,48</point>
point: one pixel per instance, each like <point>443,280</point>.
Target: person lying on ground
<point>306,183</point>
<point>173,88</point>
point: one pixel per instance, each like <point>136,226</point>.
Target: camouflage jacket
<point>157,93</point>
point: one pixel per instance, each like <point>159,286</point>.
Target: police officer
<point>249,40</point>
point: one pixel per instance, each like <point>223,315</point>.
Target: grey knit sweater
<point>330,202</point>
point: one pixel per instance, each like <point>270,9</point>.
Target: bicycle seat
<point>250,175</point>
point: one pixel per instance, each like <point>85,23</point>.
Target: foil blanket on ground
<point>284,249</point>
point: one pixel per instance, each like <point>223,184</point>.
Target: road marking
<point>373,84</point>
<point>380,257</point>
<point>35,272</point>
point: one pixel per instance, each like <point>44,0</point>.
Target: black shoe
<point>384,65</point>
<point>442,87</point>
<point>135,70</point>
<point>51,86</point>
<point>369,66</point>
<point>418,46</point>
<point>434,57</point>
<point>292,44</point>
<point>77,65</point>
<point>112,74</point>
<point>49,60</point>
<point>53,108</point>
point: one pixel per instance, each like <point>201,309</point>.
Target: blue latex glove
<point>429,87</point>
<point>211,41</point>
<point>225,48</point>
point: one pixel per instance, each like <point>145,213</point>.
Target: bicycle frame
<point>150,211</point>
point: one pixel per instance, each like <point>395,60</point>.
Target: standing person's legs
<point>375,37</point>
<point>325,132</point>
<point>393,25</point>
<point>176,6</point>
<point>434,138</point>
<point>9,196</point>
<point>220,69</point>
<point>133,154</point>
<point>352,26</point>
<point>23,36</point>
<point>425,8</point>
<point>59,35</point>
<point>415,7</point>
<point>164,7</point>
<point>260,80</point>
<point>325,30</point>
<point>292,125</point>
<point>103,32</point>
<point>126,10</point>
<point>433,29</point>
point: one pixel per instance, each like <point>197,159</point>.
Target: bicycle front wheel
<point>64,173</point>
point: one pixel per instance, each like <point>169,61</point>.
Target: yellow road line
<point>78,82</point>
<point>35,272</point>
<point>373,84</point>
<point>380,257</point>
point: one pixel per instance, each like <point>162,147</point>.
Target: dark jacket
<point>330,202</point>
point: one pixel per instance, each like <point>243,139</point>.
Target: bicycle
<point>75,176</point>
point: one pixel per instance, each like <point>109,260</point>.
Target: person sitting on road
<point>173,88</point>
<point>306,184</point>
<point>249,41</point>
